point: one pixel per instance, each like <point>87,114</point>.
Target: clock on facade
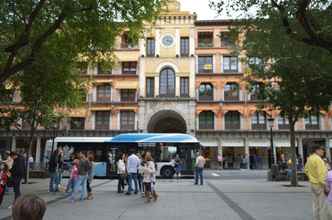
<point>167,40</point>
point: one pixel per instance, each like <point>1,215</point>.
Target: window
<point>205,39</point>
<point>259,121</point>
<point>283,122</point>
<point>104,68</point>
<point>205,64</point>
<point>82,67</point>
<point>232,120</point>
<point>255,91</point>
<point>205,92</point>
<point>184,86</point>
<point>128,95</point>
<point>149,87</point>
<point>206,120</point>
<point>230,64</point>
<point>226,40</point>
<point>102,120</point>
<point>184,46</point>
<point>312,121</point>
<point>77,123</point>
<point>231,92</point>
<point>126,42</point>
<point>150,47</point>
<point>167,83</point>
<point>104,93</point>
<point>129,67</point>
<point>127,120</point>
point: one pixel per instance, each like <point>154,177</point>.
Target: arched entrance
<point>167,121</point>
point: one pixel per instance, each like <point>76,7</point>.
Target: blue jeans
<point>198,175</point>
<point>82,181</point>
<point>75,184</point>
<point>131,177</point>
<point>54,183</point>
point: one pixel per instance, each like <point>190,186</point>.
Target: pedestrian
<point>91,174</point>
<point>132,169</point>
<point>199,166</point>
<point>148,177</point>
<point>121,171</point>
<point>74,180</point>
<point>140,173</point>
<point>83,170</point>
<point>178,167</point>
<point>60,164</point>
<point>25,157</point>
<point>316,171</point>
<point>53,171</point>
<point>17,173</point>
<point>4,177</point>
<point>29,207</point>
<point>327,209</point>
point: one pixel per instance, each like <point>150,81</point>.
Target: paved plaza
<point>229,195</point>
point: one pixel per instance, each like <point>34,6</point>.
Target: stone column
<point>246,151</point>
<point>13,147</point>
<point>327,149</point>
<point>300,148</point>
<point>38,152</point>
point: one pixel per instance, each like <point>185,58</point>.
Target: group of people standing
<point>140,170</point>
<point>320,177</point>
<point>81,174</point>
<point>11,174</point>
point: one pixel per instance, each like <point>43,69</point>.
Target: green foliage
<point>75,26</point>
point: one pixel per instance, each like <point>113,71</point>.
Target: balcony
<point>232,126</point>
<point>312,127</point>
<point>283,126</point>
<point>258,126</point>
<point>231,98</point>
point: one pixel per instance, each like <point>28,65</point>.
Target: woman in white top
<point>149,177</point>
<point>121,173</point>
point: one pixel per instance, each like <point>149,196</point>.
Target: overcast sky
<point>201,7</point>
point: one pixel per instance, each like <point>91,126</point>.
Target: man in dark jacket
<point>17,172</point>
<point>53,170</point>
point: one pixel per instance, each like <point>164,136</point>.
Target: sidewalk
<point>38,187</point>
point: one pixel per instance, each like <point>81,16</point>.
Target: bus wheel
<point>167,172</point>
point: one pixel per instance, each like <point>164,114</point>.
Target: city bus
<point>164,148</point>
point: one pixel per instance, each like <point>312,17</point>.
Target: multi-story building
<point>183,76</point>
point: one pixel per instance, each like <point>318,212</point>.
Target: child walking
<point>73,181</point>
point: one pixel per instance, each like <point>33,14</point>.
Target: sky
<point>201,7</point>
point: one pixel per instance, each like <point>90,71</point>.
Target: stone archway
<point>167,121</point>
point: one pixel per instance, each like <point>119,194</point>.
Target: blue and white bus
<point>164,148</point>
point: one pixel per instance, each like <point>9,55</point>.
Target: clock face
<point>168,41</point>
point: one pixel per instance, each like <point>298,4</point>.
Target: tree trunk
<point>294,180</point>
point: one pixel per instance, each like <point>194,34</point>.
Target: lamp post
<point>273,159</point>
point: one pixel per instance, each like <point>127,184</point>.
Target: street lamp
<point>271,123</point>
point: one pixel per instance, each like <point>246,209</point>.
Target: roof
<point>153,138</point>
<point>82,139</point>
<point>218,22</point>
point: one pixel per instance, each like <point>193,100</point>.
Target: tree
<point>46,88</point>
<point>296,77</point>
<point>86,26</point>
<point>307,21</point>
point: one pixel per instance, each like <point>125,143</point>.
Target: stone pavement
<point>218,199</point>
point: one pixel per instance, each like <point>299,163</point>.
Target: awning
<point>232,143</point>
<point>126,84</point>
<point>154,138</point>
<point>209,143</point>
<point>259,143</point>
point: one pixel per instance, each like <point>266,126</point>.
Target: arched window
<point>167,83</point>
<point>205,91</point>
<point>206,120</point>
<point>232,120</point>
<point>232,92</point>
<point>255,91</point>
<point>259,121</point>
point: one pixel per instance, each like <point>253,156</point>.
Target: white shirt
<point>148,172</point>
<point>200,161</point>
<point>121,167</point>
<point>133,163</point>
